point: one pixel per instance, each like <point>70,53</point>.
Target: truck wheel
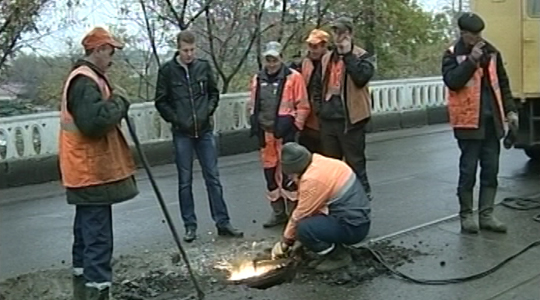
<point>533,152</point>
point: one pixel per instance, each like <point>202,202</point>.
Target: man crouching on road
<point>96,164</point>
<point>333,209</point>
<point>279,108</point>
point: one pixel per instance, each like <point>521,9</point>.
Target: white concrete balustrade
<point>36,135</point>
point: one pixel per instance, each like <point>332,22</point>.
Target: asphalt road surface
<point>413,174</point>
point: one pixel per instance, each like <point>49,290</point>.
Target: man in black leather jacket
<point>187,97</point>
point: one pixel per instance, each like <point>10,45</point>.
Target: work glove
<point>280,250</point>
<point>513,120</point>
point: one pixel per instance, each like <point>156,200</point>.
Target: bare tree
<point>232,28</point>
<point>16,18</point>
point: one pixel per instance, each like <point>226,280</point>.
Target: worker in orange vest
<point>343,101</point>
<point>317,44</point>
<point>333,209</point>
<point>479,102</point>
<point>278,107</point>
<point>96,164</point>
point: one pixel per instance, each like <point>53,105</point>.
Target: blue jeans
<point>319,232</point>
<point>205,147</point>
<point>93,242</point>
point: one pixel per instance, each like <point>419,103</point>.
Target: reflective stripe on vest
<point>464,105</point>
<point>307,70</point>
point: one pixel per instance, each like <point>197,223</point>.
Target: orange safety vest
<point>307,71</point>
<point>294,100</point>
<point>86,161</point>
<point>464,105</point>
<point>358,100</point>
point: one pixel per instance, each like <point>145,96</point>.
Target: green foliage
<point>408,41</point>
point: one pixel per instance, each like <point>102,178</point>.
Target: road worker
<point>96,164</point>
<point>279,108</point>
<point>343,100</point>
<point>333,209</point>
<point>479,102</point>
<point>317,44</point>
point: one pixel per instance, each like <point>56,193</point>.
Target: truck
<point>513,26</point>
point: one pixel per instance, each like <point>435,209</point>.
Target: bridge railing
<point>35,135</point>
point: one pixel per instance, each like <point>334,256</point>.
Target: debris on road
<point>161,275</point>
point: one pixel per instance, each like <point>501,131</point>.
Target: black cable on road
<point>380,258</point>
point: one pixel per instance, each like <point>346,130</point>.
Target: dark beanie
<point>471,22</point>
<point>295,158</point>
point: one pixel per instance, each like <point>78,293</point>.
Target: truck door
<point>531,48</point>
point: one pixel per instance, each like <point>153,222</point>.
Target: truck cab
<point>513,26</point>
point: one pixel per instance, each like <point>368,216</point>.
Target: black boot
<point>93,293</point>
<point>78,283</point>
<point>468,224</point>
<point>229,230</point>
<point>336,259</point>
<point>279,215</point>
<point>191,235</point>
<point>486,206</point>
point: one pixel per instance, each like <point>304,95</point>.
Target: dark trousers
<point>351,145</point>
<point>319,232</point>
<point>93,242</point>
<point>205,148</point>
<point>311,139</point>
<point>484,151</point>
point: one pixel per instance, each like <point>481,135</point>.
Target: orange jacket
<point>86,161</point>
<point>464,104</point>
<point>293,102</point>
<point>307,71</point>
<point>323,179</point>
<point>357,99</point>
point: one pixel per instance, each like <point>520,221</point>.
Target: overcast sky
<point>102,12</point>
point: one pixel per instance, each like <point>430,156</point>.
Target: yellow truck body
<point>513,26</point>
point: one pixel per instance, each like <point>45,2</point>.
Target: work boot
<point>78,283</point>
<point>336,259</point>
<point>486,206</point>
<point>291,205</point>
<point>314,263</point>
<point>93,293</point>
<point>468,224</point>
<point>279,215</point>
<point>229,230</point>
<point>191,235</point>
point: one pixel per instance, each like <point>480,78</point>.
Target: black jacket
<point>187,101</point>
<point>456,76</point>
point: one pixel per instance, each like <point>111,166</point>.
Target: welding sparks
<point>246,269</point>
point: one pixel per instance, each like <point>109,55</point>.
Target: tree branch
<point>149,32</point>
<point>211,43</point>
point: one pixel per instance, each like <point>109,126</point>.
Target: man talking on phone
<point>479,102</point>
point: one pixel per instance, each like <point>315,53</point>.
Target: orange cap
<point>318,36</point>
<point>98,37</point>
